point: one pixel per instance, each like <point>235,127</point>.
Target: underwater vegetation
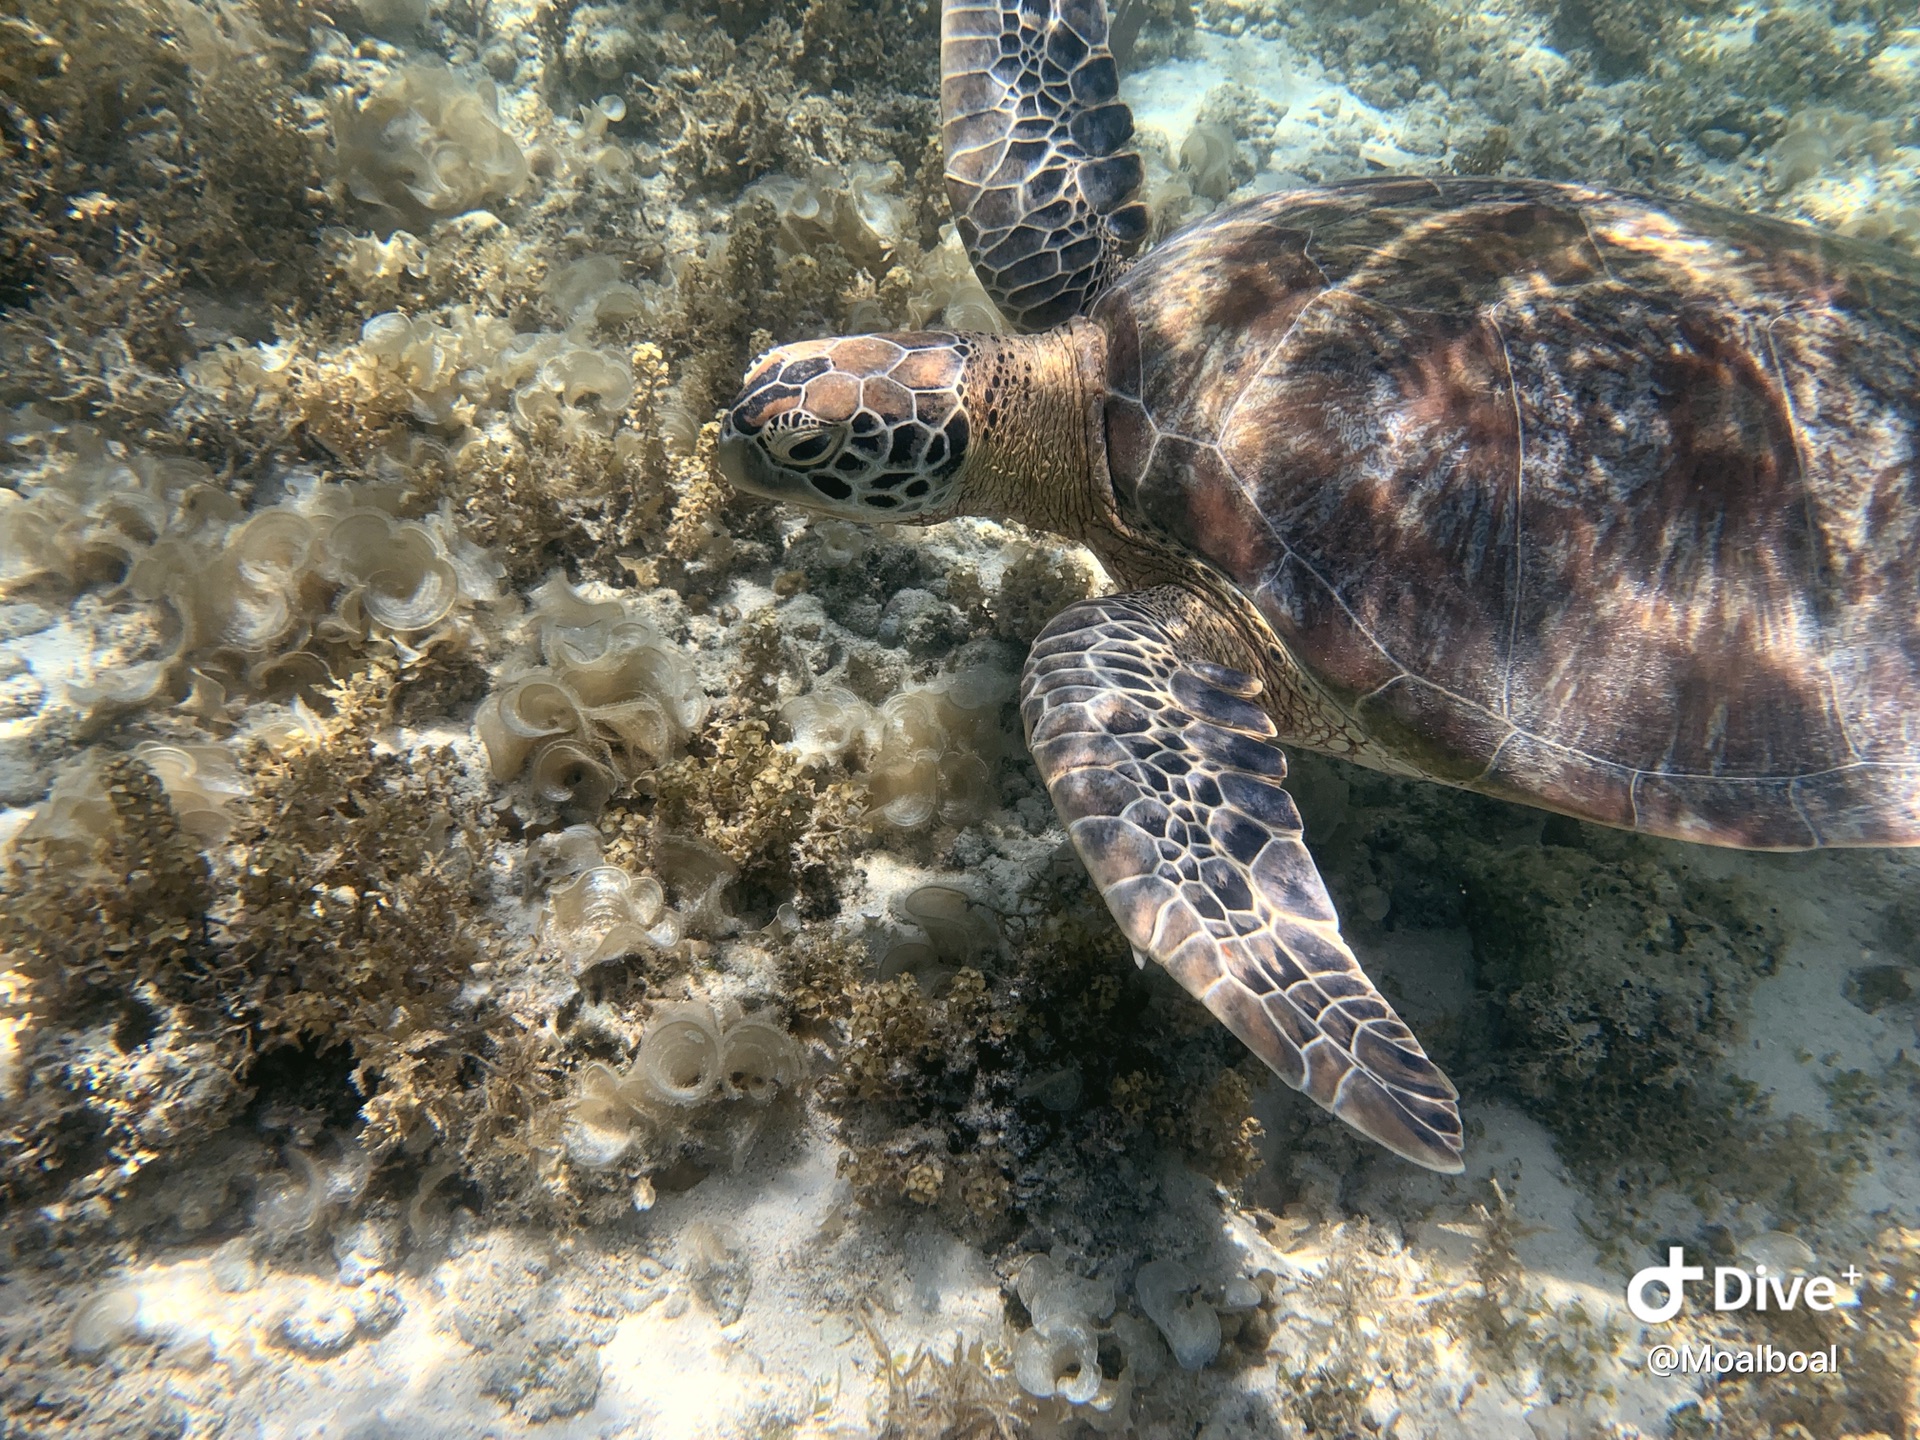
<point>341,917</point>
<point>451,833</point>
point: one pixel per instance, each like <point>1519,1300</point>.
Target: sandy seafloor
<point>271,1260</point>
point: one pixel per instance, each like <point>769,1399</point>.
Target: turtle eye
<point>805,445</point>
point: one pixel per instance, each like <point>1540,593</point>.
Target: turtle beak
<point>744,466</point>
<point>731,456</point>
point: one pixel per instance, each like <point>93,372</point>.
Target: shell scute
<point>1420,466</point>
<point>1446,737</point>
<point>1203,319</point>
<point>1603,503</point>
<point>1319,629</point>
<point>1528,769</point>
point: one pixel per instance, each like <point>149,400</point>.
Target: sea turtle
<point>1598,502</point>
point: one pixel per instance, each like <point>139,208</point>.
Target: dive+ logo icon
<point>1733,1288</point>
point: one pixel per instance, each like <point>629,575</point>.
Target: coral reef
<point>935,749</point>
<point>348,917</point>
<point>1689,98</point>
<point>605,912</point>
<point>1058,1356</point>
<point>478,883</point>
<point>1571,1016</point>
<point>1191,1327</point>
<point>784,829</point>
<point>1616,976</point>
<point>1036,1057</point>
<point>1090,1357</point>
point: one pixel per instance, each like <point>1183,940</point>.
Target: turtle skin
<point>1590,501</point>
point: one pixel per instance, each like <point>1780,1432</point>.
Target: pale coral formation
<point>424,145</point>
<point>606,912</point>
<point>827,723</point>
<point>936,749</point>
<point>1058,1358</point>
<point>109,1319</point>
<point>927,753</point>
<point>203,784</point>
<point>76,815</point>
<point>958,928</point>
<point>608,700</point>
<point>689,1057</point>
<point>1822,136</point>
<point>450,371</point>
<point>1856,173</point>
<point>946,292</point>
<point>1168,1293</point>
<point>295,1206</point>
<point>254,603</point>
<point>859,209</point>
<point>1059,1355</point>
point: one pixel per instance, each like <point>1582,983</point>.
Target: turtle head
<point>869,427</point>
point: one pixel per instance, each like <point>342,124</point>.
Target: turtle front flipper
<point>1039,172</point>
<point>1168,779</point>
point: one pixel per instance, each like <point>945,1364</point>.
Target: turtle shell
<point>1597,502</point>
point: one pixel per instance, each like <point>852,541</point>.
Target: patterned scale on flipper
<point>1168,777</point>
